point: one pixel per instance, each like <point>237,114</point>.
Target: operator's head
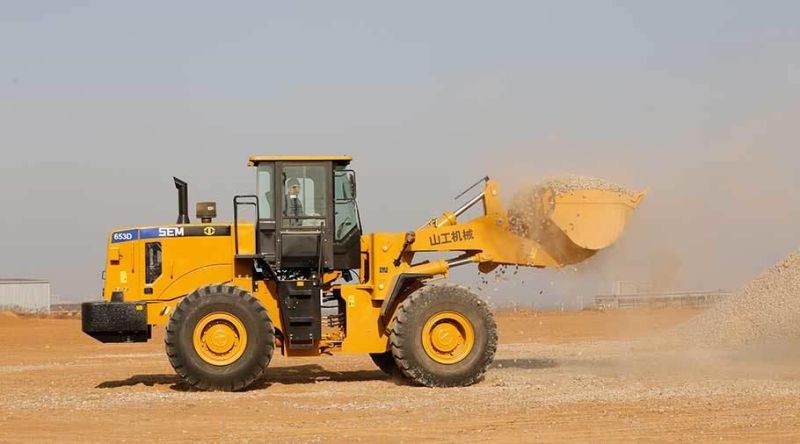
<point>293,187</point>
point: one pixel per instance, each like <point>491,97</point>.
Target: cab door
<point>305,214</point>
<point>347,222</point>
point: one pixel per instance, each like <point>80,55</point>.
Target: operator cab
<point>307,213</point>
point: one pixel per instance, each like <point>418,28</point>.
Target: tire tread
<point>176,353</point>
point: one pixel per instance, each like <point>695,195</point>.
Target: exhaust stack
<point>183,201</point>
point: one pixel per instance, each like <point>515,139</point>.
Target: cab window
<point>305,191</point>
<point>266,195</point>
<point>346,213</point>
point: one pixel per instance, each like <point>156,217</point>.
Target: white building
<point>25,295</point>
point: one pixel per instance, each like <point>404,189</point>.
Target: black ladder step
<point>301,320</point>
<point>297,343</point>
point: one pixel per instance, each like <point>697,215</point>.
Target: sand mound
<point>7,315</point>
<point>767,309</point>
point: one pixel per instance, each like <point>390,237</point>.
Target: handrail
<point>237,200</point>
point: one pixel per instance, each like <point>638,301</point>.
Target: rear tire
<point>220,338</point>
<point>385,361</point>
<point>443,336</point>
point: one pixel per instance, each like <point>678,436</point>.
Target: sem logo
<point>209,231</point>
<point>170,232</point>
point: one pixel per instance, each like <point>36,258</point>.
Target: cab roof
<point>256,159</point>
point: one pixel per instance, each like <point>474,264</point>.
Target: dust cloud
<point>712,220</point>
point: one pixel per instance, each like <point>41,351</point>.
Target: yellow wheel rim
<point>220,338</point>
<point>448,337</point>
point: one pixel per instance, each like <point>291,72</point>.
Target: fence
<point>696,299</point>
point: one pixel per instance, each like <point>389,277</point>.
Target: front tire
<point>443,336</point>
<point>220,338</point>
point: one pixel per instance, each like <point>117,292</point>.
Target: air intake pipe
<point>183,201</point>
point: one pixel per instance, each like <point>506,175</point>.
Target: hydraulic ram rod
<point>445,220</point>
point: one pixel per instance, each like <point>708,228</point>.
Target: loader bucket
<point>571,218</point>
<point>592,219</point>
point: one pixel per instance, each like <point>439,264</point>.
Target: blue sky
<point>102,102</point>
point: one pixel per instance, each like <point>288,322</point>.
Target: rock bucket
<point>572,217</point>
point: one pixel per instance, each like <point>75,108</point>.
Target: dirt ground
<point>586,376</point>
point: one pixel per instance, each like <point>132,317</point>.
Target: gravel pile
<point>767,309</point>
<point>566,184</point>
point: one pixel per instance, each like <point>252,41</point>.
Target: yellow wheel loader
<point>301,277</point>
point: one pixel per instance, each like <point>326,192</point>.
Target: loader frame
<point>292,263</point>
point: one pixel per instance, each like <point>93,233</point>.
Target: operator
<point>293,206</point>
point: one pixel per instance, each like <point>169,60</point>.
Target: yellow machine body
<point>206,254</point>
